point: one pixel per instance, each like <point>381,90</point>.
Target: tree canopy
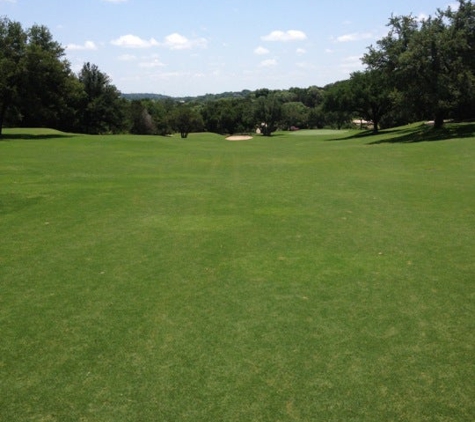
<point>422,69</point>
<point>101,107</point>
<point>13,42</point>
<point>38,88</point>
<point>430,62</point>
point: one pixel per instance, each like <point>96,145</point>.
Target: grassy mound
<point>32,133</point>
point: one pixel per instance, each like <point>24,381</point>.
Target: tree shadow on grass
<point>414,134</point>
<point>427,133</point>
<point>30,136</point>
<point>368,133</point>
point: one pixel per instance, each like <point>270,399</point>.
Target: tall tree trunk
<point>3,109</point>
<point>438,120</point>
<point>4,104</point>
<point>375,126</point>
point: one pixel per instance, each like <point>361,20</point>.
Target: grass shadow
<point>370,133</point>
<point>427,133</point>
<point>30,136</point>
<point>272,135</point>
<point>414,134</point>
<point>358,135</point>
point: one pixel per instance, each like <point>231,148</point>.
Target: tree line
<point>422,69</point>
<point>39,89</point>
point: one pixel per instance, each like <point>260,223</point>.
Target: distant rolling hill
<point>207,97</point>
<point>145,96</point>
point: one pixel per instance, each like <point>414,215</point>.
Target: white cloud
<point>351,63</point>
<point>173,41</point>
<point>291,35</point>
<point>88,45</point>
<point>132,41</point>
<point>7,1</point>
<point>422,17</point>
<point>356,36</point>
<point>261,51</point>
<point>176,41</point>
<point>454,6</point>
<point>115,1</point>
<point>268,63</point>
<point>305,65</point>
<point>301,51</point>
<point>167,76</point>
<point>151,64</point>
<point>127,57</point>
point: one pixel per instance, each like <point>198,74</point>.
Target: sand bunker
<point>239,138</point>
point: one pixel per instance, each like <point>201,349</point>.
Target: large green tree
<point>186,119</point>
<point>102,108</point>
<point>336,105</point>
<point>37,86</point>
<point>429,63</point>
<point>158,112</point>
<point>13,40</point>
<point>47,86</point>
<point>310,97</point>
<point>228,115</point>
<point>148,117</point>
<point>461,40</point>
<point>426,65</point>
<point>294,114</point>
<point>370,96</point>
<point>268,112</point>
<point>141,120</point>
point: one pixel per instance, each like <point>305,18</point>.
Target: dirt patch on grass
<point>239,138</point>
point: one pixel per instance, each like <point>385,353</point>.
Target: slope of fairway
<point>286,278</point>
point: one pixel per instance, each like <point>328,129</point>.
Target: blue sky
<point>187,47</point>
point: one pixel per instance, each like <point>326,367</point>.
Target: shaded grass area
<point>317,132</point>
<point>32,134</point>
<point>147,278</point>
<point>419,132</point>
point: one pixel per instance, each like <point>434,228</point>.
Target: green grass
<point>318,132</point>
<point>295,278</point>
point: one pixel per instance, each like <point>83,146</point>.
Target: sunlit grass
<point>283,278</point>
